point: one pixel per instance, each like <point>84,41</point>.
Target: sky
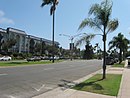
<point>29,16</point>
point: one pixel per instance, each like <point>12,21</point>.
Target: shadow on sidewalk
<point>66,84</point>
<point>93,84</point>
<point>69,84</point>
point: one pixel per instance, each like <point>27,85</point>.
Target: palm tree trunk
<point>104,57</point>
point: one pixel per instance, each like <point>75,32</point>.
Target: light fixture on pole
<point>71,38</point>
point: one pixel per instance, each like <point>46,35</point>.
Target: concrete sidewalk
<point>70,93</point>
<point>125,85</point>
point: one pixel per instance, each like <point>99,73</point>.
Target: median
<point>24,63</point>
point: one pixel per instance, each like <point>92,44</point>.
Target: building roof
<point>17,31</point>
<point>34,37</point>
<point>43,39</point>
<point>2,30</point>
<point>30,36</point>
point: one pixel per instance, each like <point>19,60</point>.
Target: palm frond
<point>52,9</point>
<point>112,25</point>
<point>112,44</point>
<point>94,9</point>
<point>84,23</point>
<point>46,2</point>
<point>84,39</point>
<point>93,23</point>
<point>80,41</point>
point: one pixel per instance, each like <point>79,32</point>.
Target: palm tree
<point>88,48</point>
<point>101,21</point>
<point>121,43</point>
<point>53,4</point>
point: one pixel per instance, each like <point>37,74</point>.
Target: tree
<point>31,47</point>
<point>121,43</point>
<point>1,37</point>
<point>101,21</point>
<point>38,48</point>
<point>88,53</point>
<point>43,47</point>
<point>8,44</point>
<point>96,46</point>
<point>53,4</point>
<point>52,50</point>
<point>88,48</point>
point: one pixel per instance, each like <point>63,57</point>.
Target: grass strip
<point>22,63</point>
<point>118,65</point>
<point>109,86</point>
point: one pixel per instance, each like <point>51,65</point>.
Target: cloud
<point>4,20</point>
<point>128,28</point>
<point>1,13</point>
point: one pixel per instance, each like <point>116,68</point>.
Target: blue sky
<point>27,15</point>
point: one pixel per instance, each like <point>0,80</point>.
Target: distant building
<point>23,40</point>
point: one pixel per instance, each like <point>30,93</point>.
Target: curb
<point>87,77</point>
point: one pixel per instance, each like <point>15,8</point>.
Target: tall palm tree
<point>53,4</point>
<point>121,43</point>
<point>101,21</point>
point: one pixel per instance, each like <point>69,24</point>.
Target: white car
<point>5,58</point>
<point>128,60</point>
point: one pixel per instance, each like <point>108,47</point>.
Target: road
<point>28,81</point>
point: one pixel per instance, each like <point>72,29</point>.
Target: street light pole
<point>71,38</point>
<point>71,47</point>
<point>53,31</point>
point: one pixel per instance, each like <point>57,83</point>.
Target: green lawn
<point>24,62</point>
<point>109,86</point>
<point>119,65</point>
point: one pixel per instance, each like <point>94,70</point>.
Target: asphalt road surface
<point>29,81</point>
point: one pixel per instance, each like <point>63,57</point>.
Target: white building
<point>23,40</point>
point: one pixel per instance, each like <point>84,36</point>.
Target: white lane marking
<point>39,88</point>
<point>3,74</point>
<point>48,68</point>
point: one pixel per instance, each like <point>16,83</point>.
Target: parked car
<point>55,58</point>
<point>45,58</point>
<point>116,60</point>
<point>109,60</point>
<point>35,58</point>
<point>5,58</point>
<point>128,60</point>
